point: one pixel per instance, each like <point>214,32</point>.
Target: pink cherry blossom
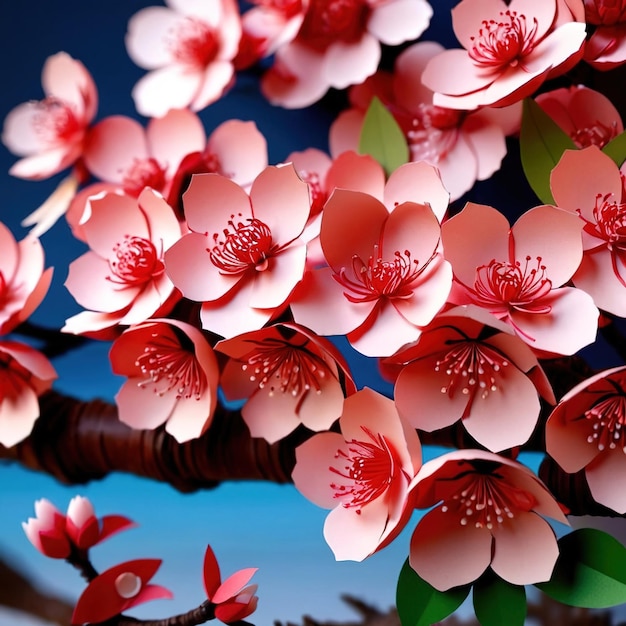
<point>122,278</point>
<point>25,374</point>
<point>245,253</point>
<point>23,281</point>
<point>189,48</point>
<point>467,365</point>
<point>118,589</point>
<point>586,430</point>
<point>172,378</point>
<point>46,531</point>
<point>606,47</point>
<point>586,115</point>
<point>50,134</point>
<point>320,44</point>
<point>364,474</point>
<point>288,376</point>
<point>488,512</point>
<point>588,183</point>
<point>517,273</point>
<point>509,51</point>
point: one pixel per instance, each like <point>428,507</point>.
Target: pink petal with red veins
<point>148,36</point>
<point>233,585</point>
<point>459,167</point>
<point>604,474</point>
<point>148,301</point>
<point>141,407</point>
<point>473,238</point>
<point>67,79</point>
<point>18,412</point>
<point>20,134</point>
<point>395,22</point>
<point>190,417</point>
<point>311,475</point>
<point>468,18</point>
<point>170,87</point>
<point>113,145</point>
<point>357,172</point>
<point>163,225</point>
<point>534,236</point>
<point>351,63</point>
<point>281,200</point>
<point>587,106</point>
<point>310,161</point>
<point>446,554</point>
<point>40,166</point>
<point>544,12</point>
<point>487,141</point>
<point>215,80</point>
<point>525,549</point>
<point>596,275</point>
<point>345,132</point>
<point>319,410</point>
<point>271,413</point>
<point>513,84</point>
<point>240,149</point>
<point>234,381</point>
<point>409,92</point>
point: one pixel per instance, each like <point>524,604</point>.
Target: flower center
<point>610,223</point>
<point>328,21</point>
<point>608,419</point>
<point>289,8</point>
<point>136,261</point>
<point>504,42</point>
<point>141,174</point>
<point>55,121</point>
<point>605,12</point>
<point>193,42</point>
<point>432,132</point>
<point>597,134</point>
<point>246,244</point>
<point>167,367</point>
<point>318,195</point>
<point>366,469</point>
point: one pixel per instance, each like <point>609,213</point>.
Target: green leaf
<point>590,571</point>
<point>616,149</point>
<point>542,143</point>
<point>382,138</point>
<point>420,604</point>
<point>498,602</point>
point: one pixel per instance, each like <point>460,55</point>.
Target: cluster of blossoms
<point>211,270</point>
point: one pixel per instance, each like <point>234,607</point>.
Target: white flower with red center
<point>488,512</point>
<point>363,474</point>
<point>588,183</point>
<point>606,48</point>
<point>469,366</point>
<point>189,47</point>
<point>516,273</point>
<point>510,49</point>
<point>245,253</point>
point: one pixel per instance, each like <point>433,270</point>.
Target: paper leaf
<point>542,143</point>
<point>590,571</point>
<point>616,149</point>
<point>420,604</point>
<point>382,138</point>
<point>498,602</point>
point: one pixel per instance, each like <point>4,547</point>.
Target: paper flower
<point>233,599</point>
<point>118,589</point>
<point>606,47</point>
<point>517,273</point>
<point>363,474</point>
<point>122,278</point>
<point>288,376</point>
<point>387,277</point>
<point>586,430</point>
<point>25,374</point>
<point>586,115</point>
<point>46,531</point>
<point>329,43</point>
<point>189,47</point>
<point>245,253</point>
<point>488,513</point>
<point>172,378</point>
<point>598,198</point>
<point>509,51</point>
<point>469,366</point>
<point>23,281</point>
<point>50,134</point>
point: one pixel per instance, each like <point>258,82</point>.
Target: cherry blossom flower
<point>172,378</point>
<point>488,513</point>
<point>25,374</point>
<point>189,47</point>
<point>23,281</point>
<point>586,430</point>
<point>288,376</point>
<point>245,253</point>
<point>118,589</point>
<point>50,134</point>
<point>363,474</point>
<point>387,277</point>
<point>509,51</point>
<point>233,599</point>
<point>517,274</point>
<point>467,365</point>
<point>46,531</point>
<point>122,278</point>
<point>586,115</point>
<point>597,196</point>
<point>337,42</point>
<point>606,47</point>
<point>465,147</point>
